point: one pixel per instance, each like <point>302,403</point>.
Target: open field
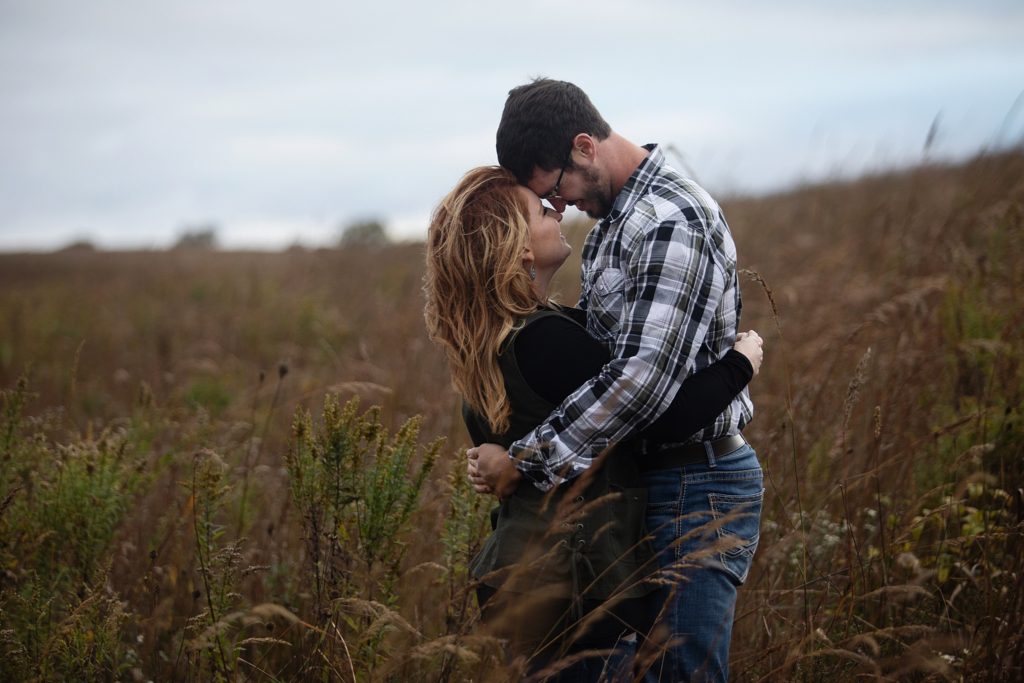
<point>169,511</point>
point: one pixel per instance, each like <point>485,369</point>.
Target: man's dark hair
<point>539,123</point>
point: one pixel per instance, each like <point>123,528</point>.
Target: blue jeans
<point>705,520</point>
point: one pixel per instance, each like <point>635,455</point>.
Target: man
<point>659,287</point>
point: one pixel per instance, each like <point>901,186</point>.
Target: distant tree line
<point>369,232</point>
<point>198,237</point>
<point>203,237</point>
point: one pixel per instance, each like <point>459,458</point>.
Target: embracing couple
<point>611,433</point>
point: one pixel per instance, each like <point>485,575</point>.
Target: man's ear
<point>584,147</point>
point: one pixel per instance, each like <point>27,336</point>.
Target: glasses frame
<point>558,183</point>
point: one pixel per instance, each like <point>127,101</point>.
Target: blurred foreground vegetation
<point>187,491</point>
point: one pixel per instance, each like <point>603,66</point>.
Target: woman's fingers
<point>477,480</point>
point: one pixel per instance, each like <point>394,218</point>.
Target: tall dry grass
<point>165,516</point>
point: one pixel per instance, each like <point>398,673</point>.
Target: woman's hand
<point>491,470</point>
<point>751,345</point>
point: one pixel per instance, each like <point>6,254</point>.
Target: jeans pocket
<point>739,525</point>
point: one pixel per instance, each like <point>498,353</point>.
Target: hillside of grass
<point>187,492</point>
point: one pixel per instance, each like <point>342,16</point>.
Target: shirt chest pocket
<point>607,299</point>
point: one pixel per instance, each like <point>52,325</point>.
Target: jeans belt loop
<point>709,449</point>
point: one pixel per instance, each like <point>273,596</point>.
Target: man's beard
<point>596,196</point>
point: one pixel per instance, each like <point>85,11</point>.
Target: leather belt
<point>672,457</point>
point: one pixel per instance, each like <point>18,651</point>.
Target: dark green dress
<point>555,558</point>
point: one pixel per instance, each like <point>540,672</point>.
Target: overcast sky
<point>122,122</point>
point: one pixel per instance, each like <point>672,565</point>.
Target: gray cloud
<point>127,120</point>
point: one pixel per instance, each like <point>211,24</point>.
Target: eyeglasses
<point>558,183</point>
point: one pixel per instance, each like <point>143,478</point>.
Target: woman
<point>569,567</point>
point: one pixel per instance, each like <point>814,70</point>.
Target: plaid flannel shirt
<point>661,292</point>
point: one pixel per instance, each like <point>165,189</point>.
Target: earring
<point>533,272</point>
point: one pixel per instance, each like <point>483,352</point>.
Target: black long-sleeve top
<point>556,357</point>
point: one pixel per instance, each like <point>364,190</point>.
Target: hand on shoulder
<point>751,345</point>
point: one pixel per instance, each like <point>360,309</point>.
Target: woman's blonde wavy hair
<point>476,287</point>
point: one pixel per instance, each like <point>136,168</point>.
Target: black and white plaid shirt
<point>660,290</point>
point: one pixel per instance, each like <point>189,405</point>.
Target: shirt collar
<point>637,184</point>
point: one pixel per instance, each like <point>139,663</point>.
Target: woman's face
<point>546,239</point>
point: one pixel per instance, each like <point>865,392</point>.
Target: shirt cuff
<point>533,457</point>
